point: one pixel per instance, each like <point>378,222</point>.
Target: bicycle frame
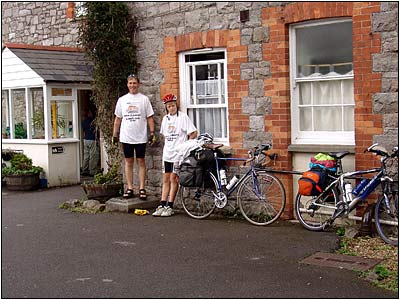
<point>251,170</point>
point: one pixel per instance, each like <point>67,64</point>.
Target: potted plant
<point>21,175</point>
<point>105,185</point>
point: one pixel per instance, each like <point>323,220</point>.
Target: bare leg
<point>165,187</point>
<point>129,163</point>
<point>173,183</point>
<point>142,172</point>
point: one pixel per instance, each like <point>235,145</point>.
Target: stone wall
<point>386,102</point>
<point>37,23</point>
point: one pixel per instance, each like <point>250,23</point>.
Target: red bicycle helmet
<point>169,98</point>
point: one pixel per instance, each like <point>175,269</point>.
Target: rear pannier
<point>313,182</point>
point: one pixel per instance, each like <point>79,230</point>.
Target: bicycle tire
<point>384,215</point>
<point>312,216</point>
<point>198,202</point>
<point>267,209</point>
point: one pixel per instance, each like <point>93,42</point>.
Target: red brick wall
<point>236,54</point>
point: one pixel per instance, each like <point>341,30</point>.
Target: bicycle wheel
<point>387,219</point>
<point>261,201</point>
<point>313,212</point>
<point>198,202</point>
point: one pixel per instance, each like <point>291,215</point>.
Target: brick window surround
<point>276,51</point>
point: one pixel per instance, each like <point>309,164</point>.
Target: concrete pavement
<point>49,252</point>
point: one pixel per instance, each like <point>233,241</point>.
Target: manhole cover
<point>341,261</point>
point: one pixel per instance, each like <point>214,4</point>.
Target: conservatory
<point>44,92</point>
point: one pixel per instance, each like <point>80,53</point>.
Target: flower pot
<point>102,192</point>
<point>23,182</point>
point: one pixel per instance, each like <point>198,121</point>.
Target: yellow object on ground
<point>141,212</point>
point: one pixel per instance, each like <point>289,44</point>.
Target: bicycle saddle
<point>338,155</point>
<point>212,146</point>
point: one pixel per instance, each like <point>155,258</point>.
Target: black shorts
<point>131,149</point>
<point>169,167</point>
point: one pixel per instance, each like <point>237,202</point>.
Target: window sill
<point>320,148</point>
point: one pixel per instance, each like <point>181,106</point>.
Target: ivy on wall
<point>106,33</point>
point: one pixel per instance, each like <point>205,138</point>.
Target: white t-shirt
<point>175,129</point>
<point>133,109</point>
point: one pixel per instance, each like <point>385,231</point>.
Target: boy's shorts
<point>169,167</point>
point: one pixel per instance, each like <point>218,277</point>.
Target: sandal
<point>142,194</point>
<point>128,194</point>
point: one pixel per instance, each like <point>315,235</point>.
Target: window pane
<point>323,49</point>
<point>37,113</point>
<point>348,118</point>
<point>348,92</point>
<point>305,93</point>
<point>61,119</point>
<point>192,97</point>
<point>5,116</point>
<point>211,120</point>
<point>18,99</point>
<point>61,92</point>
<point>305,118</point>
<point>327,92</point>
<point>204,56</point>
<point>327,118</point>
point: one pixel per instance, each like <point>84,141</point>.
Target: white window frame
<point>73,99</point>
<point>184,81</point>
<point>47,98</point>
<point>312,137</point>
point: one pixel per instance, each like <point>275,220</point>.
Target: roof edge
<point>40,47</point>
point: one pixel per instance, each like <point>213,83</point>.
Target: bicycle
<point>260,196</point>
<point>316,213</point>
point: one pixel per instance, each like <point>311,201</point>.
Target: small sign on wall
<point>57,149</point>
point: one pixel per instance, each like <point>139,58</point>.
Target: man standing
<point>90,157</point>
<point>132,115</point>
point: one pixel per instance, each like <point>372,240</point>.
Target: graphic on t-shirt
<point>171,128</point>
<point>132,113</point>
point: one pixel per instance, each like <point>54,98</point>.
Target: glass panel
<point>61,119</point>
<point>305,118</point>
<point>211,120</point>
<point>192,97</point>
<point>305,93</point>
<point>204,56</point>
<point>5,116</point>
<point>348,121</point>
<point>18,99</point>
<point>348,92</point>
<point>37,113</point>
<point>327,118</point>
<point>327,92</point>
<point>325,49</point>
<point>61,92</point>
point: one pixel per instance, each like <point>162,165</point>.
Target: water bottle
<point>232,182</point>
<point>360,186</point>
<point>372,184</point>
<point>348,189</point>
<point>222,175</point>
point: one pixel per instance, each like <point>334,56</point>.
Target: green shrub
<point>21,164</point>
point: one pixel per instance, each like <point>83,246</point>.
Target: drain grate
<point>341,261</point>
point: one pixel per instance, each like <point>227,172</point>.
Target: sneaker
<point>159,211</point>
<point>167,212</point>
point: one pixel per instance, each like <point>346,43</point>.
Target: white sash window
<point>322,92</point>
<point>204,91</point>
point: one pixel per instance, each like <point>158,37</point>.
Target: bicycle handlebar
<point>382,152</point>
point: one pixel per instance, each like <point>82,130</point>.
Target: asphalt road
<point>49,252</point>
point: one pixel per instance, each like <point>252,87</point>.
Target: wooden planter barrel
<point>24,182</point>
<point>102,192</point>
